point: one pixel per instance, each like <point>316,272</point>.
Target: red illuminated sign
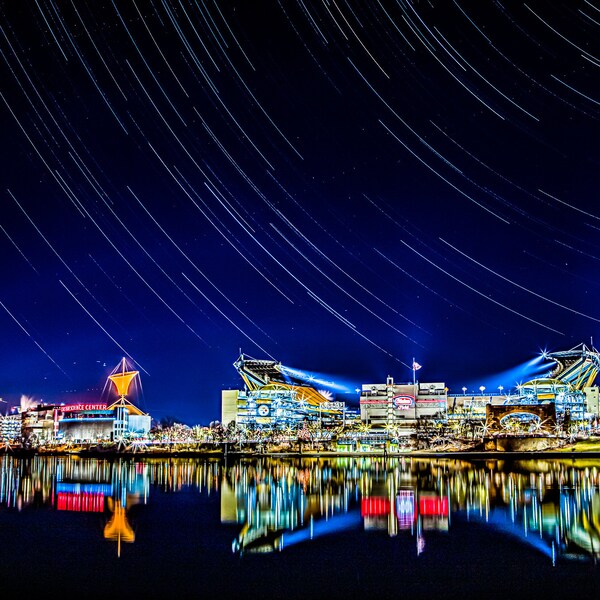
<point>403,401</point>
<point>80,502</point>
<point>78,407</point>
<point>433,506</point>
<point>374,506</point>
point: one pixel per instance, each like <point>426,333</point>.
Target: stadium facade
<point>274,397</point>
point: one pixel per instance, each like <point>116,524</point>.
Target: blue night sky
<point>339,186</point>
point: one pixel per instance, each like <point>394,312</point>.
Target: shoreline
<point>566,453</point>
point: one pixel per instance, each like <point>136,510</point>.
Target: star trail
<point>341,186</point>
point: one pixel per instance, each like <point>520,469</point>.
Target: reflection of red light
<point>374,506</point>
<point>433,506</point>
<point>84,502</point>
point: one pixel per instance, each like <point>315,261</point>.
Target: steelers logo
<point>263,410</point>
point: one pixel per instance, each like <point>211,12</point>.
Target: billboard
<point>403,401</point>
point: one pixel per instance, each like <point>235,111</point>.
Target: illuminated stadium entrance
<point>521,418</point>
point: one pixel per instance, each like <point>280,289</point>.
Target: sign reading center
<point>403,401</point>
<point>82,407</point>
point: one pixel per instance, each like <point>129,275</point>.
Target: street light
<point>464,391</point>
<point>482,388</point>
<point>500,388</point>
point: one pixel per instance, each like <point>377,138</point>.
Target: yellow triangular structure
<point>123,379</point>
<point>122,401</point>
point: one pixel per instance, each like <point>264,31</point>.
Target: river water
<point>300,528</point>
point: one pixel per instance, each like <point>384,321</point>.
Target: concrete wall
<point>229,406</point>
<point>86,429</point>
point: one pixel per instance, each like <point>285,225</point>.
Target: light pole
<point>320,419</point>
<point>482,389</point>
<point>500,388</point>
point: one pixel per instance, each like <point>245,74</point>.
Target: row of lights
<point>482,389</point>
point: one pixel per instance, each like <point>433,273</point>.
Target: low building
<point>83,422</point>
<point>86,422</point>
<point>102,422</point>
<point>39,424</point>
<point>10,428</point>
<point>473,405</point>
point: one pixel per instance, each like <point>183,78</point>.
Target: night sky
<point>339,186</point>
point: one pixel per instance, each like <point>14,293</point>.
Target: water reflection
<point>552,507</point>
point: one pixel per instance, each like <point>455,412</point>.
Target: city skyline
<point>343,188</point>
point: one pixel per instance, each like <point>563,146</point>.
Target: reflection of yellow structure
<point>118,528</point>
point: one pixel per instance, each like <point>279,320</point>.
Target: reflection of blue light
<point>321,527</point>
<point>502,522</point>
<point>85,488</point>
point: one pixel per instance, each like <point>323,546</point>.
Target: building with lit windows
<point>402,403</point>
<point>81,422</point>
<point>88,422</point>
<point>10,428</point>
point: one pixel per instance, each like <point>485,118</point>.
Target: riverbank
<point>589,448</point>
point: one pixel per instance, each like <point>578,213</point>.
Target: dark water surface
<point>300,528</point>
